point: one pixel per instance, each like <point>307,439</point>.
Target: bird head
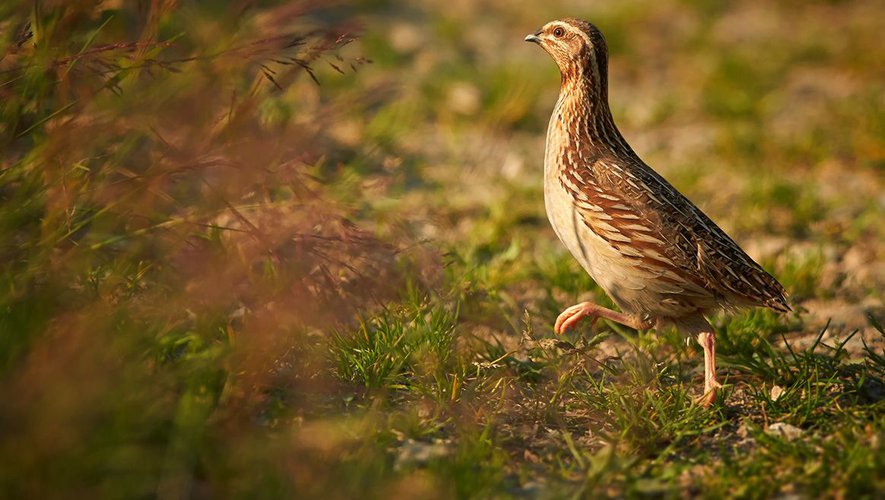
<point>577,47</point>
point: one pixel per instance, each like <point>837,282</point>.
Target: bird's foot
<point>571,316</point>
<point>711,392</point>
<point>575,313</point>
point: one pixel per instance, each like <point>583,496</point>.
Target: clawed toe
<point>707,399</point>
<point>571,316</point>
<point>710,395</point>
<point>569,323</point>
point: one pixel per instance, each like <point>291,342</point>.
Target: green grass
<point>239,260</point>
<point>392,350</point>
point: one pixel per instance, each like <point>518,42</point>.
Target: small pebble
<point>776,392</point>
<point>781,429</point>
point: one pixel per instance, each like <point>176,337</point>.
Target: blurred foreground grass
<point>221,278</point>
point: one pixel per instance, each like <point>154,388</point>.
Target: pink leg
<point>711,385</point>
<point>570,317</point>
<point>698,326</point>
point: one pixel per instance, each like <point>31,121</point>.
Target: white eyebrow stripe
<point>575,29</point>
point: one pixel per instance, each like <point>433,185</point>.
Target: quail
<point>658,256</point>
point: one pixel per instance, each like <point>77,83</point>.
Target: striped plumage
<point>658,256</point>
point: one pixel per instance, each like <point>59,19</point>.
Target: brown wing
<point>646,218</point>
<point>638,235</point>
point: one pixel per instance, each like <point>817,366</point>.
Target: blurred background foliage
<point>297,249</point>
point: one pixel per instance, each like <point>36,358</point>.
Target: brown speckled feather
<point>647,219</point>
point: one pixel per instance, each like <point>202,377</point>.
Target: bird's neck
<point>583,115</point>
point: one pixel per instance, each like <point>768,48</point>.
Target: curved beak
<point>534,38</point>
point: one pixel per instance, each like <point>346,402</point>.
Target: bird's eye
<point>558,32</point>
